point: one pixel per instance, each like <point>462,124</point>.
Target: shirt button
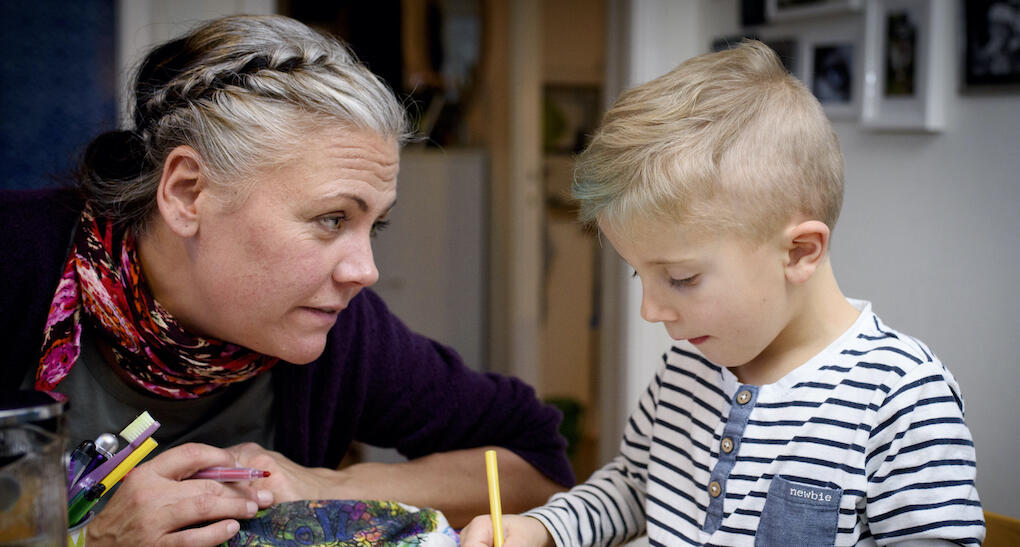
<point>714,489</point>
<point>743,397</point>
<point>727,445</point>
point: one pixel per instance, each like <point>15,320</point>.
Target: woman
<point>212,271</point>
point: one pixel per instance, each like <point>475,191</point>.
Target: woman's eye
<point>685,282</point>
<point>379,226</point>
<point>332,222</point>
<point>633,273</point>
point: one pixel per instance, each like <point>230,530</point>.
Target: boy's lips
<point>697,340</point>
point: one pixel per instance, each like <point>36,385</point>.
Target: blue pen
<point>88,455</point>
<point>106,445</point>
<point>79,460</point>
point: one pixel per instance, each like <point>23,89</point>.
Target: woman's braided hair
<point>243,91</point>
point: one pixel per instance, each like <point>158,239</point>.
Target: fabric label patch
<point>810,494</point>
<point>798,514</point>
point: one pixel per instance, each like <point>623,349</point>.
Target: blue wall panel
<point>57,86</point>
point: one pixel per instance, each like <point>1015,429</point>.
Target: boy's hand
<point>518,531</point>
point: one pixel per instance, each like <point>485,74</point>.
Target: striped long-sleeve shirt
<point>865,444</point>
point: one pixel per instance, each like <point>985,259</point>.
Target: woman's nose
<point>357,266</point>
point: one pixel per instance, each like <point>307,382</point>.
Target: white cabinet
<point>432,257</point>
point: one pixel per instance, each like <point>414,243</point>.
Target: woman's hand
<point>452,482</point>
<point>289,481</point>
<point>154,505</point>
<point>518,531</point>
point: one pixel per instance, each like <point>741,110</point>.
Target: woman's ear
<point>807,245</point>
<point>182,183</point>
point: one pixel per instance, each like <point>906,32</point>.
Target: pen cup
<point>76,534</point>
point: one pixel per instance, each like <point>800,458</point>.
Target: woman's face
<point>273,273</point>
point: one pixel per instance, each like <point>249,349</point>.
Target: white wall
<point>929,234</point>
<point>144,23</point>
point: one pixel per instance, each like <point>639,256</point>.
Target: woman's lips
<point>323,315</point>
<point>697,340</point>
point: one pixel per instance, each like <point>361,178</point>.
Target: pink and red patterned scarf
<point>103,279</point>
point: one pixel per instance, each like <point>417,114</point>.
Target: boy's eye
<point>634,273</point>
<point>685,282</point>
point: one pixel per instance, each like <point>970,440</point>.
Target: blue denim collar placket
<point>740,411</point>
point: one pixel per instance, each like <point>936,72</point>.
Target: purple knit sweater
<point>377,382</point>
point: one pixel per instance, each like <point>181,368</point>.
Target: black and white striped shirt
<point>865,444</point>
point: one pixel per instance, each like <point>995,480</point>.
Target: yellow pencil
<point>494,509</point>
<point>128,464</point>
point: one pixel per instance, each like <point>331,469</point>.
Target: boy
<point>798,417</point>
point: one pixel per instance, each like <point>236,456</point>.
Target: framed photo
<point>907,54</point>
<point>786,10</point>
<point>833,73</point>
<point>992,47</point>
<point>752,12</point>
<point>830,65</point>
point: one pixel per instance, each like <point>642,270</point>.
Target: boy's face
<point>726,296</point>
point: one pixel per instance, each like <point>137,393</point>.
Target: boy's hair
<point>727,141</point>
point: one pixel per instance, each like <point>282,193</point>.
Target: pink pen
<point>230,474</point>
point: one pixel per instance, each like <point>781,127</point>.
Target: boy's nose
<point>654,312</point>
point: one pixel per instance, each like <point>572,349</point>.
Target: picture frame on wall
<point>825,55</point>
<point>907,57</point>
<point>992,44</point>
<point>830,65</point>
<point>787,10</point>
<point>833,74</point>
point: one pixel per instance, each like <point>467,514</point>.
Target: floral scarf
<point>103,279</point>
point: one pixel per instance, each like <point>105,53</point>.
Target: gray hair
<point>243,91</point>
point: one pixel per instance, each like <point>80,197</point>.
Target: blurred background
<point>484,252</point>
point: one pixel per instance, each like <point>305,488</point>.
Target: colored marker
<point>87,497</point>
<point>106,446</point>
<point>135,433</point>
<point>230,474</point>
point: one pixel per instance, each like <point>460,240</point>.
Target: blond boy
<point>785,414</point>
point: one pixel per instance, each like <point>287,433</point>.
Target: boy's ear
<point>807,245</point>
<point>182,182</point>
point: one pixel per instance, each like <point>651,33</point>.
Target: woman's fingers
<point>265,498</point>
<point>180,513</point>
<point>208,508</point>
<point>211,534</point>
<point>182,461</point>
<point>200,488</point>
<point>288,481</point>
<point>152,505</point>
